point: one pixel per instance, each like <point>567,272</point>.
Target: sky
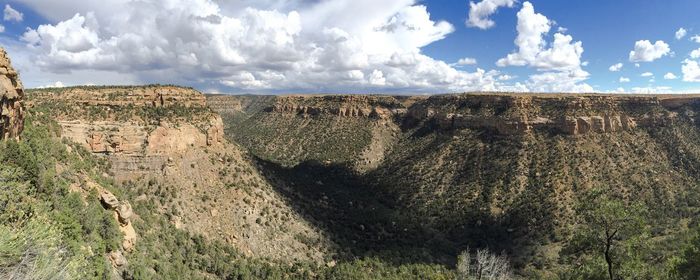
<point>358,46</point>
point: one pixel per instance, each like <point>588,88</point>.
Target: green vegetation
<point>536,197</point>
<point>51,230</point>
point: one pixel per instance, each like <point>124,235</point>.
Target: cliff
<point>11,96</point>
<point>565,114</point>
<point>149,95</point>
<point>367,106</point>
<point>165,140</point>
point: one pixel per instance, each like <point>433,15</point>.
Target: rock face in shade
<point>11,100</point>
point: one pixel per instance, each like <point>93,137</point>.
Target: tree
<point>606,224</point>
<point>688,267</point>
<point>484,265</point>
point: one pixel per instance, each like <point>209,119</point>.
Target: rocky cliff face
<point>11,95</point>
<point>151,95</point>
<point>167,138</point>
<point>570,114</point>
<point>378,107</point>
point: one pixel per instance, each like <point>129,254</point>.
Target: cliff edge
<point>11,98</point>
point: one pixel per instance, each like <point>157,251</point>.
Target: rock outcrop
<point>11,100</point>
<point>377,107</point>
<point>150,95</point>
<point>567,114</point>
<point>136,128</point>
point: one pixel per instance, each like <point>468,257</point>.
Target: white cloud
<point>377,78</point>
<point>647,74</point>
<point>479,13</point>
<point>559,82</point>
<point>562,56</point>
<point>695,38</point>
<point>691,71</point>
<point>505,77</point>
<point>615,67</point>
<point>466,61</point>
<point>652,90</point>
<point>670,76</point>
<point>2,28</point>
<point>644,51</point>
<point>561,62</point>
<point>695,54</point>
<point>624,80</point>
<point>681,33</point>
<point>10,14</point>
<point>57,84</point>
<point>339,44</point>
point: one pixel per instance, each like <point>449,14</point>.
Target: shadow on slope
<point>361,219</point>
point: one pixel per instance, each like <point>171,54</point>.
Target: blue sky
<point>284,46</point>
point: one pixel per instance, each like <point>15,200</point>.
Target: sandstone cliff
<point>367,106</point>
<point>566,114</point>
<point>150,95</point>
<point>165,138</point>
<point>11,95</point>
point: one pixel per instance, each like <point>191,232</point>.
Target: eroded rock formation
<point>377,107</point>
<point>151,95</point>
<point>567,114</point>
<point>11,100</point>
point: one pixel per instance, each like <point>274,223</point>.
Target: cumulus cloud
<point>695,38</point>
<point>691,71</point>
<point>681,33</point>
<point>466,61</point>
<point>670,76</point>
<point>57,84</point>
<point>339,44</point>
<point>559,82</point>
<point>561,60</point>
<point>645,51</point>
<point>10,14</point>
<point>695,54</point>
<point>2,28</point>
<point>564,54</point>
<point>647,74</point>
<point>479,13</point>
<point>615,67</point>
<point>624,80</point>
<point>652,90</point>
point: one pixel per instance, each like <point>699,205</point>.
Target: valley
<point>349,186</point>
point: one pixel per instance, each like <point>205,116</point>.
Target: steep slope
<point>478,170</point>
<point>11,94</point>
<point>165,145</point>
<point>291,129</point>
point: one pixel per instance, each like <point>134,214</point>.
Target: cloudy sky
<point>409,46</point>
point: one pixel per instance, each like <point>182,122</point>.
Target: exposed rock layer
<point>151,95</point>
<point>504,114</point>
<point>11,100</point>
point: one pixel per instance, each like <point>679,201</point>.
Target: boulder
<point>117,259</point>
<point>109,200</point>
<point>124,212</point>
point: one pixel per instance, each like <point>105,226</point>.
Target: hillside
<point>165,145</point>
<point>504,172</point>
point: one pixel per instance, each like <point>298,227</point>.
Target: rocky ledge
<point>568,114</point>
<point>367,106</point>
<point>11,100</point>
<point>150,95</point>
